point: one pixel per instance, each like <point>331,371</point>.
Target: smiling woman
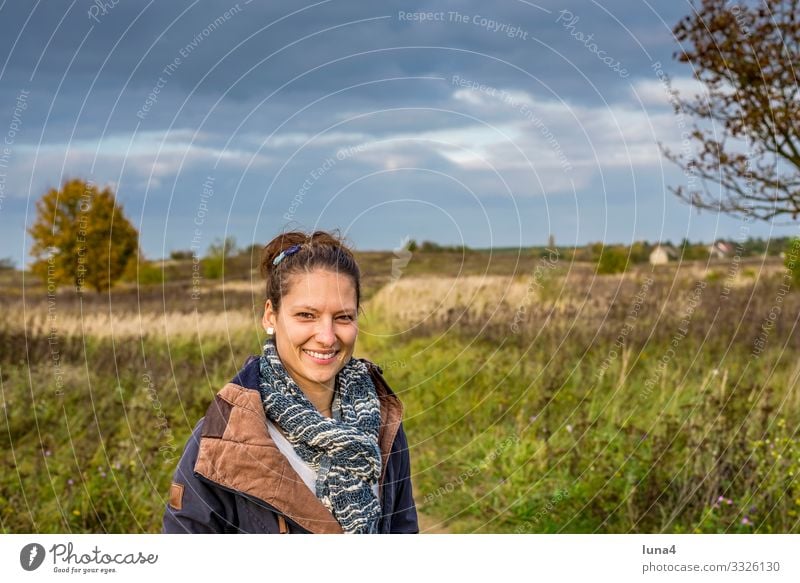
<point>306,438</point>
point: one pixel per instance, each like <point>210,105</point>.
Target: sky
<point>483,124</point>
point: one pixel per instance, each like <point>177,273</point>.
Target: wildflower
<point>117,466</point>
<point>532,418</point>
<point>102,474</point>
<point>569,428</point>
<point>76,512</point>
<point>721,499</point>
<point>70,482</point>
<point>746,521</point>
<point>48,453</point>
<point>729,501</point>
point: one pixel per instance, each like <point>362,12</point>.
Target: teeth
<point>320,354</point>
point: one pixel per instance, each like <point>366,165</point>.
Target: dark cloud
<point>156,96</point>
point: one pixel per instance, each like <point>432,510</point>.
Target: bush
<point>143,272</point>
<point>150,274</point>
<point>218,254</point>
<point>181,254</point>
<point>791,260</point>
<point>213,267</point>
<point>612,260</point>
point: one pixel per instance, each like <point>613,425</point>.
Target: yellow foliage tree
<point>81,237</point>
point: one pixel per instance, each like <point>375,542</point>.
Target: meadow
<point>539,396</point>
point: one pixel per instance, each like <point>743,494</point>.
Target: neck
<point>320,395</point>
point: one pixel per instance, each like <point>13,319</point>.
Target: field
<point>539,396</point>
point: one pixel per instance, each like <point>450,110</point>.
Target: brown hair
<point>320,250</point>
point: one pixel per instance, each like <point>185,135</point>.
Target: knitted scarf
<point>344,453</point>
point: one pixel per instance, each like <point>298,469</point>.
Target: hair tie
<point>285,253</point>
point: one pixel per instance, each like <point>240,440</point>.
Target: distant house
<point>662,255</point>
<point>720,250</point>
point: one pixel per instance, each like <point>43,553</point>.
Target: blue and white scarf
<point>344,453</point>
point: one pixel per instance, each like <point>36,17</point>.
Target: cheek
<point>294,332</point>
<point>289,341</point>
<point>350,336</point>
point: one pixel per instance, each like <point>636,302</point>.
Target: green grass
<point>498,435</point>
<point>93,449</point>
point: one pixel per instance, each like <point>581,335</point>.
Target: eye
<point>305,315</point>
<point>346,317</point>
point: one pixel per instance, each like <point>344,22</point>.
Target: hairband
<point>285,253</point>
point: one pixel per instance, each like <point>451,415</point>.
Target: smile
<point>321,356</point>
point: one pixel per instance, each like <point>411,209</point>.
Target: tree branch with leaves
<point>747,126</point>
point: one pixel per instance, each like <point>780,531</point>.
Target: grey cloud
<point>357,83</point>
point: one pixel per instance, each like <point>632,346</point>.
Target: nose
<point>325,333</point>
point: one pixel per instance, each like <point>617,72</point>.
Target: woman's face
<point>316,326</point>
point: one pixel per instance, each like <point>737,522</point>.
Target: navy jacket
<point>232,478</point>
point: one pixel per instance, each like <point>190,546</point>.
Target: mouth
<point>322,357</point>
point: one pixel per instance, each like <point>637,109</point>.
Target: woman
<point>305,438</point>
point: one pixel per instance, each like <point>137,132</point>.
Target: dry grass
<point>733,302</point>
<point>418,298</point>
<point>134,325</point>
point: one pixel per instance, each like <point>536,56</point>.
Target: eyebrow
<point>313,309</point>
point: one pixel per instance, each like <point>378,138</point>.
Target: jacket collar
<point>237,452</point>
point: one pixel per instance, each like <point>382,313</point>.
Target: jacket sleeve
<point>404,515</point>
<point>194,506</point>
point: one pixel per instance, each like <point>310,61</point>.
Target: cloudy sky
<point>491,124</point>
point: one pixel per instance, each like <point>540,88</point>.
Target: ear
<point>270,317</point>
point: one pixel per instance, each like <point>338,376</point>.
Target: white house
<point>720,250</point>
<point>662,255</point>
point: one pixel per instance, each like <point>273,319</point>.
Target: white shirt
<point>306,473</point>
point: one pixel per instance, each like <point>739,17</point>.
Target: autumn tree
<point>81,237</point>
<point>746,128</point>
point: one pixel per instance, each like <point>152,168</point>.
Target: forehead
<point>321,289</point>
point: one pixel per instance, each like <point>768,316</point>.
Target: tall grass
<point>90,444</point>
<point>637,403</point>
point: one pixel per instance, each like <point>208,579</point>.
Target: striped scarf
<point>345,453</point>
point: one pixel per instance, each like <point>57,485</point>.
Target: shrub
<point>791,260</point>
<point>612,260</point>
<point>181,254</point>
<point>150,274</point>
